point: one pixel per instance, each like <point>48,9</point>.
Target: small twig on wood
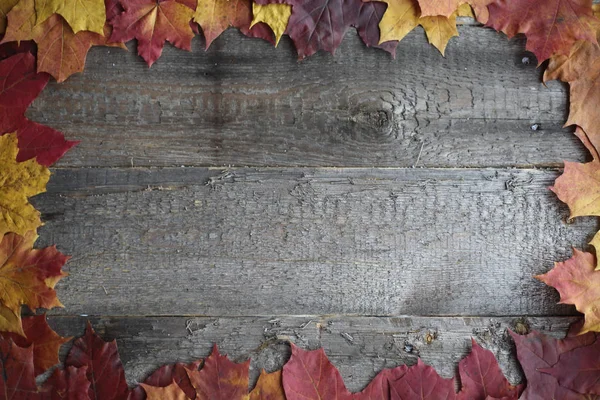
<point>419,156</point>
<point>105,291</point>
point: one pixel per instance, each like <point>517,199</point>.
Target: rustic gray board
<point>245,103</point>
<point>198,241</point>
<point>359,346</point>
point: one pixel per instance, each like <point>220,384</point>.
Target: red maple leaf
<point>166,375</point>
<point>551,26</point>
<point>421,382</point>
<point>104,368</point>
<point>17,381</point>
<point>20,84</point>
<point>67,384</point>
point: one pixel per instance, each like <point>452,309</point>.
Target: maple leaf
<point>551,26</point>
<point>104,368</point>
<point>41,142</point>
<point>481,376</point>
<point>220,378</point>
<point>170,392</point>
<point>579,188</point>
<point>70,383</point>
<point>310,375</point>
<point>9,49</point>
<point>18,182</point>
<point>81,15</point>
<point>422,382</point>
<point>20,84</point>
<point>17,381</point>
<point>152,23</point>
<point>268,387</point>
<point>276,16</point>
<point>579,284</point>
<point>537,351</point>
<point>46,343</point>
<point>27,276</point>
<point>432,8</point>
<point>402,16</point>
<point>5,7</point>
<point>578,369</point>
<point>379,387</point>
<point>168,374</point>
<point>214,16</point>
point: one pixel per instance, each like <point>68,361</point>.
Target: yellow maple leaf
<point>171,392</point>
<point>276,16</point>
<point>402,16</point>
<point>5,7</point>
<point>18,182</point>
<point>82,15</point>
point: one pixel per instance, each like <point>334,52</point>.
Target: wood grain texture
<point>182,241</point>
<point>358,346</point>
<point>244,103</point>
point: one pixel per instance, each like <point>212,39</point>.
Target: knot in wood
<point>372,121</point>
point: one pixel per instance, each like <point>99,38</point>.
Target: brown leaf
<point>268,387</point>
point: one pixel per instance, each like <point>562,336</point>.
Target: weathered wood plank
<point>358,346</point>
<point>245,103</point>
<point>306,241</point>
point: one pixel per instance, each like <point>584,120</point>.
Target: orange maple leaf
<point>432,8</point>
<point>27,277</point>
<point>578,284</point>
<point>551,26</point>
<point>152,22</point>
<point>268,387</point>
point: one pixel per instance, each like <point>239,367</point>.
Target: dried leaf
<point>17,381</point>
<point>310,375</point>
<point>274,15</point>
<point>551,26</point>
<point>41,142</point>
<point>82,15</point>
<point>46,343</point>
<point>18,182</point>
<point>422,382</point>
<point>536,351</point>
<point>439,30</point>
<point>104,368</point>
<point>481,376</point>
<point>152,23</point>
<point>579,188</point>
<point>432,8</point>
<point>67,384</point>
<point>5,7</point>
<point>170,392</point>
<point>578,369</point>
<point>268,387</point>
<point>168,374</point>
<point>379,387</point>
<point>578,284</point>
<point>20,84</point>
<point>220,379</point>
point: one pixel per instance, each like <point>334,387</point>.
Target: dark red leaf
<point>17,381</point>
<point>67,384</point>
<point>168,374</point>
<point>104,368</point>
<point>421,382</point>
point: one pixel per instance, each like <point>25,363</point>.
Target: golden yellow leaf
<point>18,182</point>
<point>439,30</point>
<point>171,392</point>
<point>82,15</point>
<point>401,17</point>
<point>274,15</point>
<point>5,7</point>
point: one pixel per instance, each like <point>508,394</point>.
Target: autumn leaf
<point>46,343</point>
<point>17,381</point>
<point>220,378</point>
<point>432,8</point>
<point>537,351</point>
<point>104,368</point>
<point>10,49</point>
<point>20,84</point>
<point>310,375</point>
<point>170,392</point>
<point>402,16</point>
<point>481,376</point>
<point>81,15</point>
<point>41,142</point>
<point>5,7</point>
<point>276,16</point>
<point>578,284</point>
<point>551,26</point>
<point>268,387</point>
<point>67,384</point>
<point>422,382</point>
<point>168,374</point>
<point>152,23</point>
<point>379,387</point>
<point>214,16</point>
<point>18,182</point>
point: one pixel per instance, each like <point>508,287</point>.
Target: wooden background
<point>384,209</point>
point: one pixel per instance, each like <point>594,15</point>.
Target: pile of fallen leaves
<point>43,38</point>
